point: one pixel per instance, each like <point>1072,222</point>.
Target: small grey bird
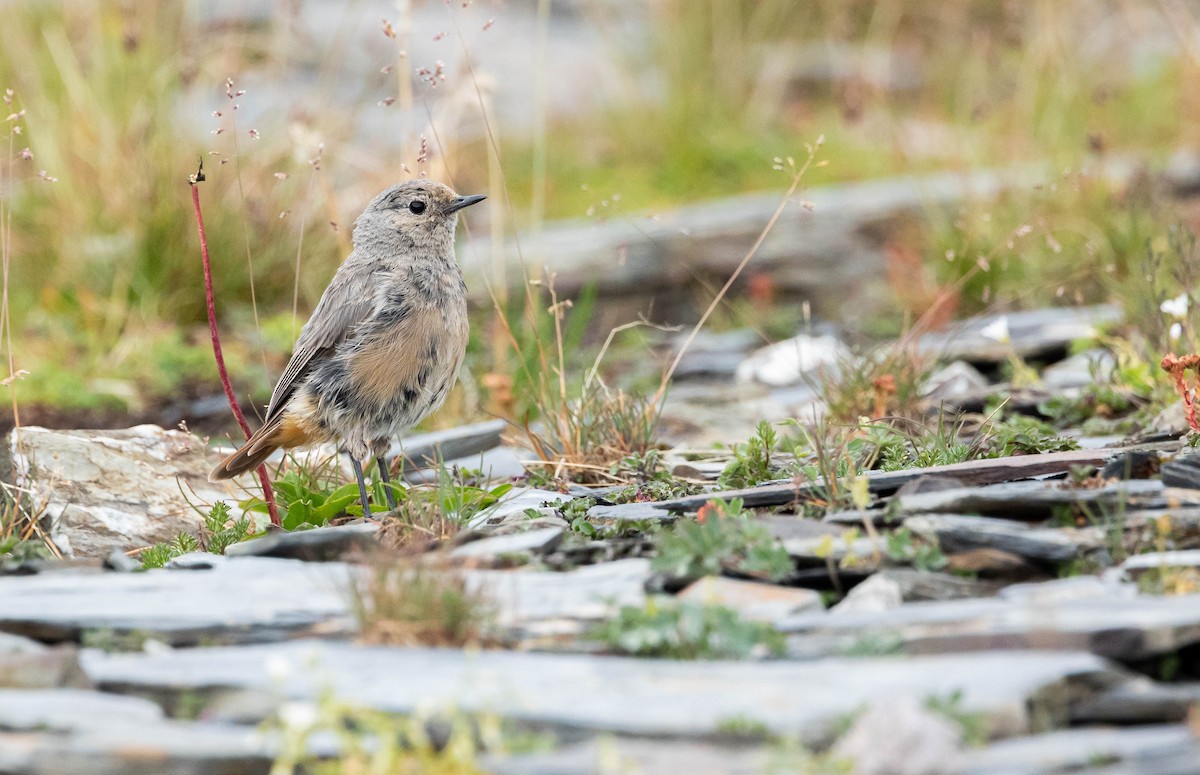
<point>385,343</point>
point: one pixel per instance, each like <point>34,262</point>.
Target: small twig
<point>263,478</point>
<point>797,176</point>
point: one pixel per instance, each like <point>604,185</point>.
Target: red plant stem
<point>263,478</point>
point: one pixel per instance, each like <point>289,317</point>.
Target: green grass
<point>688,630</point>
<point>105,278</point>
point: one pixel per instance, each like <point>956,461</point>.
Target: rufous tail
<point>252,454</point>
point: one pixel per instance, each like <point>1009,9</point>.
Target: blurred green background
<point>579,109</point>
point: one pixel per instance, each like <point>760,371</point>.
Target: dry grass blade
<point>409,603</point>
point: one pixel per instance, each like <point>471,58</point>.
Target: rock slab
<point>114,489</point>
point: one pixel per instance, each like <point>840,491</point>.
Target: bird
<point>385,343</point>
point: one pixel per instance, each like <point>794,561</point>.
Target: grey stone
<point>1067,590</point>
<point>611,755</point>
<point>653,698</point>
<point>793,360</point>
<point>1139,701</point>
<point>1141,563</point>
<point>1183,471</point>
<point>541,603</point>
<point>115,489</point>
<point>1036,501</point>
<point>787,527</point>
<point>931,585</point>
<point>752,599</point>
<point>494,465</point>
<point>929,483</point>
<point>954,380</point>
<point>513,505</point>
<point>71,732</point>
<point>899,736</point>
<point>1171,421</point>
<point>864,551</point>
<point>996,565</point>
<point>66,709</point>
<point>524,543</point>
<point>1080,750</point>
<point>43,668</point>
<point>321,544</point>
<point>1028,334</point>
<point>122,563</point>
<point>837,248</point>
<point>1135,464</point>
<point>1080,370</point>
<point>237,600</point>
<point>426,449</point>
<point>877,593</point>
<point>1128,628</point>
<point>628,512</point>
<point>700,364</point>
<point>974,472</point>
<point>955,533</point>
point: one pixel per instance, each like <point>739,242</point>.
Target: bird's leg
<point>380,447</point>
<point>386,477</point>
<point>362,486</point>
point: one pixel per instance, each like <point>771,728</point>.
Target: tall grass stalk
<point>264,479</point>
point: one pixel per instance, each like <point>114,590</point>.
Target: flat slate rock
<point>1140,701</point>
<point>752,599</point>
<point>1127,628</point>
<point>1152,750</point>
<point>426,449</point>
<point>634,755</point>
<point>1035,501</point>
<point>512,507</point>
<point>628,512</point>
<point>561,603</point>
<point>114,489</point>
<point>524,543</point>
<point>248,599</point>
<point>971,473</point>
<point>1141,563</point>
<point>1027,334</point>
<point>321,544</point>
<point>652,698</point>
<point>956,533</point>
<point>72,732</point>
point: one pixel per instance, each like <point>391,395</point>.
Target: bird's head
<point>421,209</point>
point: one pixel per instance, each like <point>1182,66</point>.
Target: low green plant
<point>751,464</point>
<point>371,742</point>
<point>688,630</point>
<point>16,550</point>
<point>887,382</point>
<point>1021,435</point>
<point>905,546</point>
<point>722,538</point>
<point>973,724</point>
<point>651,480</point>
<point>742,730</point>
<point>217,533</point>
<point>830,458</point>
<point>427,515</point>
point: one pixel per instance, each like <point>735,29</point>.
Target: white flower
<point>1176,307</point>
<point>298,715</point>
<point>1176,331</point>
<point>997,330</point>
<point>279,668</point>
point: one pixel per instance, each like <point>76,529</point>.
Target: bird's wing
<point>348,301</point>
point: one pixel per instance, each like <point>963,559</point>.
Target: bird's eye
<point>416,207</point>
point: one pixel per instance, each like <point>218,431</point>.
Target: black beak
<point>460,202</point>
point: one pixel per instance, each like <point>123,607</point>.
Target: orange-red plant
<point>1178,367</point>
